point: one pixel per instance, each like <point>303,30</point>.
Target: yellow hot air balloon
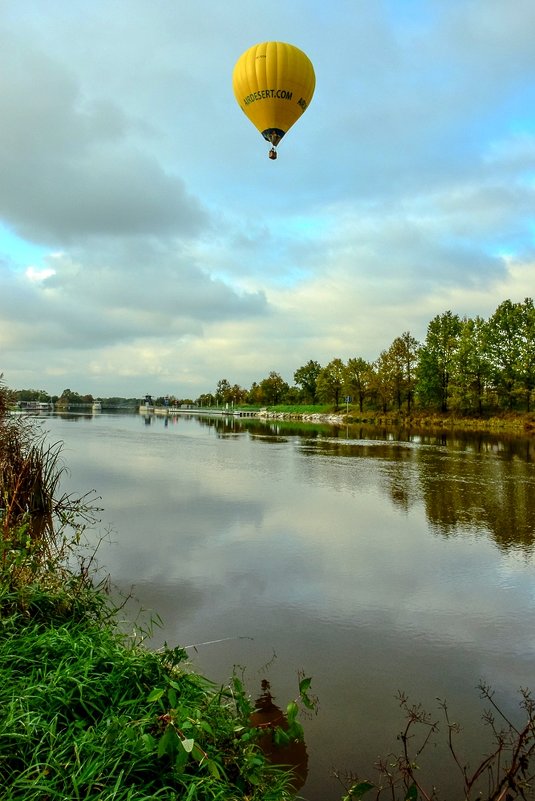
<point>273,83</point>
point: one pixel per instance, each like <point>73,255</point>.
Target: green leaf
<point>214,768</point>
<point>358,790</point>
<point>168,742</point>
<point>280,737</point>
<point>205,726</point>
<point>412,793</point>
<point>291,711</point>
<point>307,702</point>
<point>295,731</point>
<point>304,685</point>
<point>149,742</point>
<point>181,759</point>
<point>172,696</point>
<point>156,694</point>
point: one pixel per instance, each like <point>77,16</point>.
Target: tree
<point>223,390</point>
<point>472,369</point>
<point>307,378</point>
<point>237,394</point>
<point>331,381</point>
<point>273,389</point>
<point>437,360</point>
<point>358,376</point>
<point>393,377</point>
<point>206,399</point>
<point>381,380</point>
<point>69,397</point>
<point>527,354</point>
<point>32,395</point>
<point>407,349</point>
<point>511,351</point>
<point>254,396</point>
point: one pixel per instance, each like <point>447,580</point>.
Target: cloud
<point>72,167</point>
<point>184,255</point>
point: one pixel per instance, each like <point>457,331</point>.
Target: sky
<point>148,244</point>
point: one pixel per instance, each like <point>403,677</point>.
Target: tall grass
<point>84,716</point>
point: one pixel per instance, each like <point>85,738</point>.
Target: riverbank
<point>89,713</point>
<point>517,423</point>
<point>514,422</point>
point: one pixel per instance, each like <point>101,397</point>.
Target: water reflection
<point>436,469</point>
<point>371,563</point>
<point>268,717</point>
<point>465,488</point>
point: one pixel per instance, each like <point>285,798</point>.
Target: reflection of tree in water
<point>267,717</point>
<point>470,482</point>
<point>477,493</point>
<point>476,484</point>
<point>467,481</point>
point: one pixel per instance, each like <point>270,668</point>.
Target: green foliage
<point>357,791</point>
<point>307,378</point>
<point>437,360</point>
<point>472,366</point>
<point>87,714</point>
<point>284,408</point>
<point>331,382</point>
<point>464,365</point>
<point>273,389</point>
<point>358,380</point>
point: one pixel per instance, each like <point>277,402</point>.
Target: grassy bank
<point>87,712</point>
<point>88,715</point>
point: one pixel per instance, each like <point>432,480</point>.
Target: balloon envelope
<point>273,83</point>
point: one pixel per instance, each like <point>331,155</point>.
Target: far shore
<point>518,423</point>
<point>514,423</point>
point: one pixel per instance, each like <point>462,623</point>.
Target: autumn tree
<point>331,381</point>
<point>358,376</point>
<point>254,396</point>
<point>380,382</point>
<point>273,389</point>
<point>406,349</point>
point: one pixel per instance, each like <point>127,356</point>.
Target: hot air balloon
<point>273,83</point>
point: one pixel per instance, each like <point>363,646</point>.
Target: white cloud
<point>178,253</point>
<point>37,274</point>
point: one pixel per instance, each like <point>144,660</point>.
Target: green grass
<point>305,409</point>
<point>86,714</point>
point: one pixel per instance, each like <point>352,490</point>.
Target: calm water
<point>372,563</point>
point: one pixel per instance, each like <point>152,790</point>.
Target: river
<point>373,562</point>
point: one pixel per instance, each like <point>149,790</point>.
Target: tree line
<point>467,365</point>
